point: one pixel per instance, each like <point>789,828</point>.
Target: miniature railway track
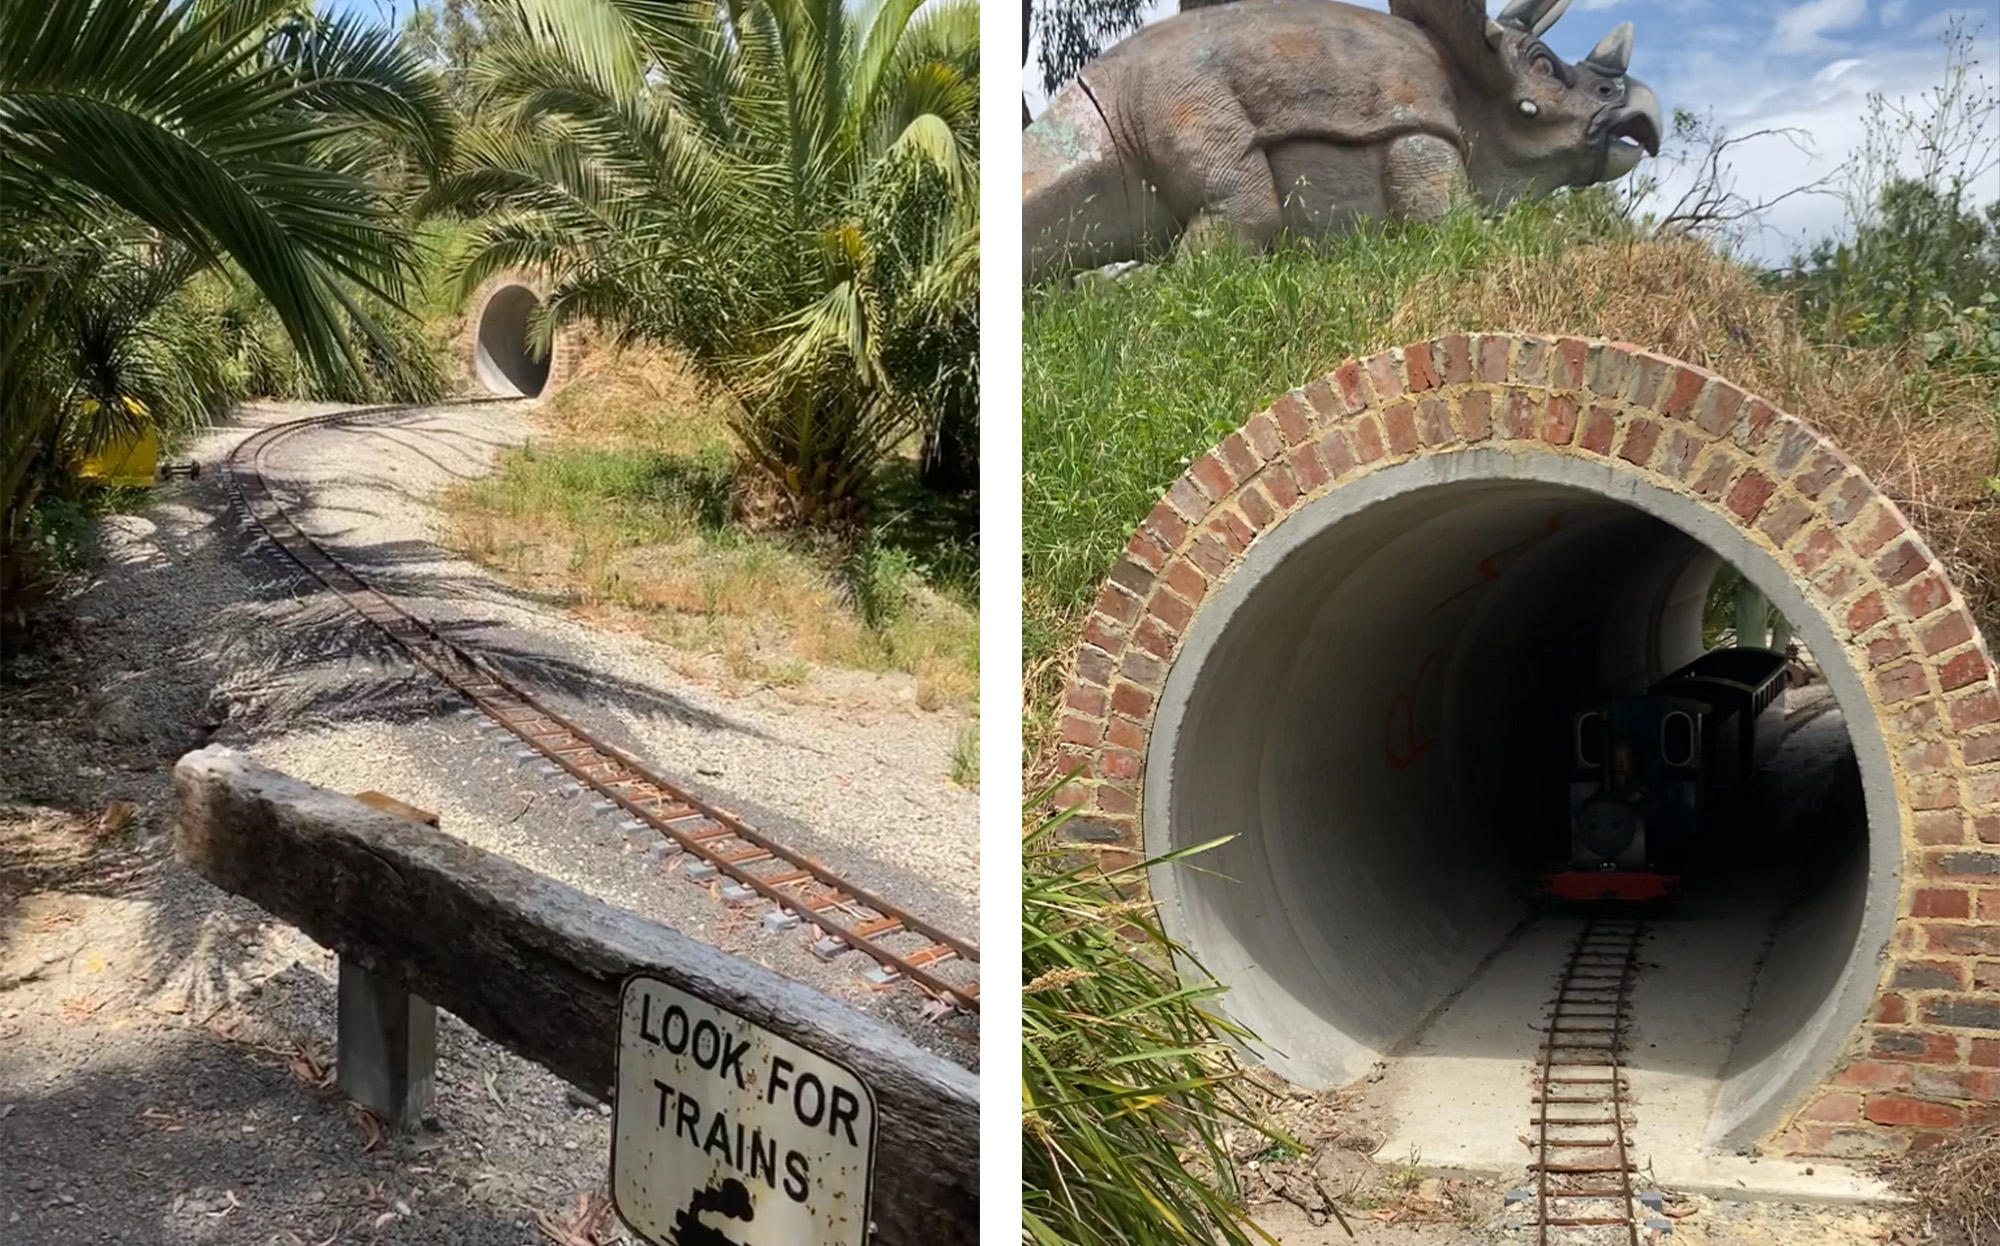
<point>721,846</point>
<point>1581,1177</point>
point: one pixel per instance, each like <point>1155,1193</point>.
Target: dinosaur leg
<point>1421,172</point>
<point>1241,203</point>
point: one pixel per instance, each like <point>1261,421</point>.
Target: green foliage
<point>1072,33</point>
<point>1128,1073</point>
<point>965,756</point>
<point>144,142</point>
<point>785,192</point>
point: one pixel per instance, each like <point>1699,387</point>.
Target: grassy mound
<point>1125,382</point>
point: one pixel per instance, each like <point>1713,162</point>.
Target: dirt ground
<point>166,1049</point>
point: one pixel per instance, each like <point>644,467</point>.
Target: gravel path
<point>162,1044</point>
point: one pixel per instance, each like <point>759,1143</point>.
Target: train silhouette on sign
<point>1651,773</point>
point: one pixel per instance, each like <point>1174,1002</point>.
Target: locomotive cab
<point>1649,772</point>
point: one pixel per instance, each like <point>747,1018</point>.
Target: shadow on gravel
<point>221,1143</point>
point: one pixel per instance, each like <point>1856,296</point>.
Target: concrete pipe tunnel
<point>1371,691</point>
<point>502,359</point>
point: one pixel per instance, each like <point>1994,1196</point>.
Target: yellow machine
<point>131,461</point>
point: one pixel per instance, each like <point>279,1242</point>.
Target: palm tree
<point>785,189</point>
<point>142,141</point>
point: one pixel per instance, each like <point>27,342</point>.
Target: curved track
<point>757,868</point>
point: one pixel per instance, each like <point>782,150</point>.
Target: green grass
<point>965,756</point>
<point>1125,382</point>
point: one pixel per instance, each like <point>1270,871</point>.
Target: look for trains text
<point>748,1150</point>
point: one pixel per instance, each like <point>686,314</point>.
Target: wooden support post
<point>536,966</point>
<point>386,1051</point>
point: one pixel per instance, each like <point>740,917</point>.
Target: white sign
<point>725,1134</point>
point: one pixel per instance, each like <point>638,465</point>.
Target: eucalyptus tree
<point>786,190</point>
<point>143,141</point>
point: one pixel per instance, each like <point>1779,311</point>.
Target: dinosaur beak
<point>1633,130</point>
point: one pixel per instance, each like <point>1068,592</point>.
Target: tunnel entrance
<point>1378,709</point>
<point>1350,641</point>
<point>501,356</point>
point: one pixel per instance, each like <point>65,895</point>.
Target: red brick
<point>1188,502</point>
<point>1093,665</point>
<point>1165,523</point>
<point>1212,477</point>
<point>1817,549</point>
<point>1750,493</point>
<point>1385,375</point>
<point>1353,394</point>
<point>1892,1010</point>
<point>1961,940</point>
<point>1901,682</point>
<point>1400,420</point>
<point>1682,392</point>
<point>1236,452</point>
<point>1939,827</point>
<point>1899,1110</point>
<point>1754,423</point>
<point>1256,507</point>
<point>1977,710</point>
<point>1324,398</point>
<point>1914,1047</point>
<point>1560,424</point>
<point>1599,427</point>
<point>1872,534</point>
<point>1434,421</point>
<point>1367,439</point>
<point>1118,763</point>
<point>1170,610</point>
<point>1605,371</point>
<point>1641,436</point>
<point>1571,353</point>
<point>1875,1076</point>
<point>1719,410</point>
<point>1084,699</point>
<point>1147,550</point>
<point>1649,376</point>
<point>1523,406</point>
<point>1888,647</point>
<point>1715,475</point>
<point>1103,633</point>
<point>1967,667</point>
<point>1795,441</point>
<point>1185,579</point>
<point>1939,902</point>
<point>1927,596</point>
<point>1782,524</point>
<point>1475,415</point>
<point>1070,795</point>
<point>1265,439</point>
<point>1234,532</point>
<point>1934,791</point>
<point>1211,554</point>
<point>1335,453</point>
<point>1925,975</point>
<point>1117,800</point>
<point>1294,417</point>
<point>1418,367</point>
<point>1925,756</point>
<point>1681,452</point>
<point>1866,613</point>
<point>1824,469</point>
<point>1947,633</point>
<point>1146,671</point>
<point>1846,501</point>
<point>1115,604</point>
<point>1079,730</point>
<point>1131,700</point>
<point>1121,733</point>
<point>1456,349</point>
<point>1837,1105</point>
<point>1155,638</point>
<point>1985,1053</point>
<point>1492,353</point>
<point>1307,468</point>
<point>1982,748</point>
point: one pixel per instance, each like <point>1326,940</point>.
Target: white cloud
<point>1802,28</point>
<point>1892,12</point>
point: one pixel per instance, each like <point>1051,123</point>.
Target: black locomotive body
<point>1649,773</point>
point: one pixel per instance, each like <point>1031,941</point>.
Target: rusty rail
<point>758,867</point>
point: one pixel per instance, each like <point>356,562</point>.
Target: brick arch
<point>564,358</point>
<point>1928,1053</point>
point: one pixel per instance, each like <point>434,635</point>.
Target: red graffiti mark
<point>1489,568</point>
<point>1404,742</point>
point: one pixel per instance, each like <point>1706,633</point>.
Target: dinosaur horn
<point>1613,52</point>
<point>1533,15</point>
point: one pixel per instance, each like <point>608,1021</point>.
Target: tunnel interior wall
<point>1415,530</point>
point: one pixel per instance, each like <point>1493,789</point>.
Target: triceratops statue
<point>1262,115</point>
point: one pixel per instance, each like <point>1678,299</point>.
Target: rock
<point>1365,1141</point>
<point>580,1099</point>
<point>118,721</point>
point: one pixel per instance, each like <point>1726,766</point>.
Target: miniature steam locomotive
<point>1649,773</point>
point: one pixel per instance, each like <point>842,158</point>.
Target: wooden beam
<point>536,966</point>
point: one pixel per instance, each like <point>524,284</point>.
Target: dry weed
<point>1958,1186</point>
<point>1927,438</point>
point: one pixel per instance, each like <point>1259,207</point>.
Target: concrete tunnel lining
<point>501,357</point>
<point>1336,947</point>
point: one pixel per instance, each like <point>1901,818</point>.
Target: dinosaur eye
<point>1606,90</point>
<point>1543,66</point>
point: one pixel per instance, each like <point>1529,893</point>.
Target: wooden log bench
<point>422,920</point>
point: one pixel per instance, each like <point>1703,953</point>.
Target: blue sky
<point>1756,64</point>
